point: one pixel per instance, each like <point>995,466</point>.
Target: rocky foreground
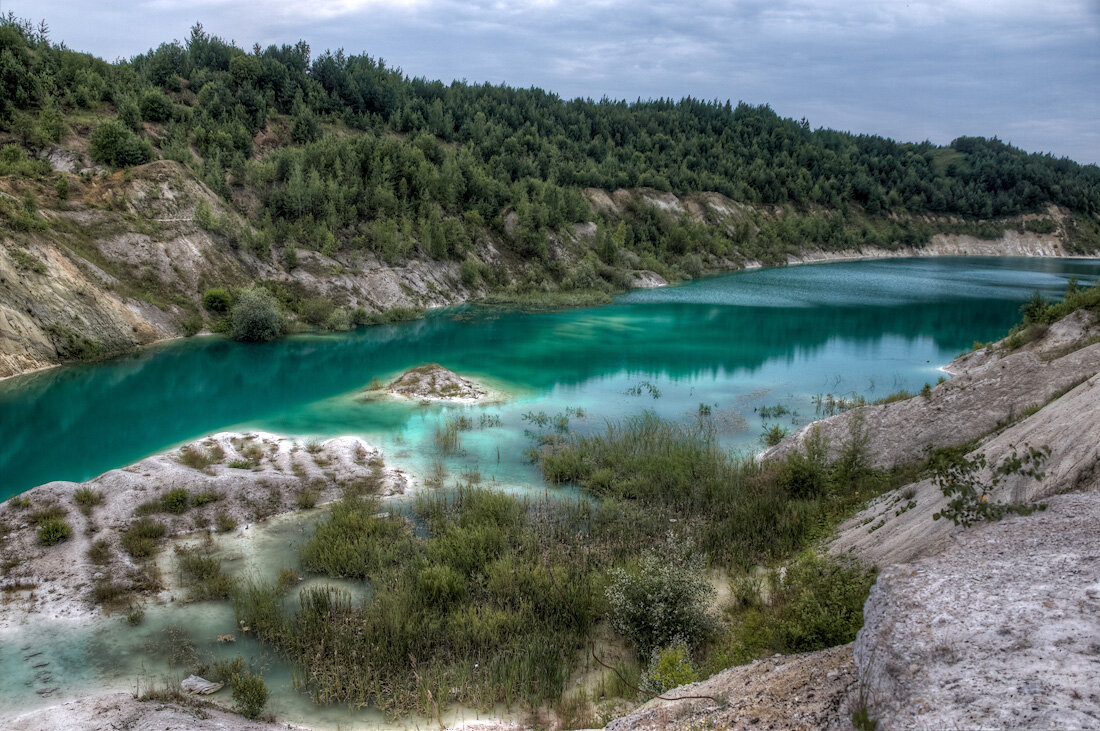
<point>995,626</point>
<point>232,480</point>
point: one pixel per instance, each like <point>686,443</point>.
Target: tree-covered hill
<point>349,157</point>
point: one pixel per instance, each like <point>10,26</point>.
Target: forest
<point>338,152</point>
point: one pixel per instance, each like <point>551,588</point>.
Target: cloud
<point>908,69</point>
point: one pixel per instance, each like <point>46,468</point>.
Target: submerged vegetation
<point>480,598</point>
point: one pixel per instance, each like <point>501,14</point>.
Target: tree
<point>114,144</point>
<point>155,106</point>
<point>256,317</point>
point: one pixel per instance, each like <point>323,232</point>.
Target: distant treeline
<point>357,154</point>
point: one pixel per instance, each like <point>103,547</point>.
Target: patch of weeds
<point>307,497</point>
<point>198,458</point>
<point>203,574</point>
<point>205,498</point>
<point>52,531</point>
<point>140,539</point>
<point>223,522</point>
<point>87,498</point>
<point>99,552</point>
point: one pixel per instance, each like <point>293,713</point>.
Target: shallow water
<point>736,342</point>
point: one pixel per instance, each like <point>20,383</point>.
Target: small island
<point>433,382</point>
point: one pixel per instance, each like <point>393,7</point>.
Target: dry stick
<point>592,650</point>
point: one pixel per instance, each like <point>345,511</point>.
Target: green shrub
<point>249,693</point>
<point>470,274</point>
<point>669,667</point>
<point>773,435</point>
<point>53,531</point>
<point>140,539</point>
<point>176,500</point>
<point>960,478</point>
<point>217,300</point>
<point>816,603</point>
<point>316,310</point>
<point>223,522</point>
<point>354,541</point>
<point>203,575</point>
<point>665,598</point>
<point>338,320</point>
<point>86,497</point>
<point>256,316</point>
<point>155,106</point>
<point>306,498</point>
<point>113,143</point>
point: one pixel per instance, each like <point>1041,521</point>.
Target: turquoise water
<point>735,342</point>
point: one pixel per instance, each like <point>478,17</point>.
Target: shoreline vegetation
<point>538,301</point>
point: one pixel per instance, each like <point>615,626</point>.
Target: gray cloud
<point>1021,70</point>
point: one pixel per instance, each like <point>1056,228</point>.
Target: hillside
<point>356,194</point>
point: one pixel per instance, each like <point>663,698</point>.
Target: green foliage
<point>203,575</point>
<point>249,693</point>
<point>61,188</point>
<point>772,435</point>
<point>99,552</point>
<point>176,500</point>
<point>87,498</point>
<point>354,541</point>
<point>814,603</point>
<point>486,605</point>
<point>53,531</point>
<point>256,316</point>
<point>669,667</point>
<point>217,300</point>
<point>663,600</point>
<point>115,144</point>
<point>741,511</point>
<point>960,478</point>
<point>140,539</point>
<point>155,106</point>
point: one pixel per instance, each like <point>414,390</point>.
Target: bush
<point>217,300</point>
<point>53,531</point>
<point>99,552</point>
<point>249,693</point>
<point>256,317</point>
<point>960,479</point>
<point>338,321</point>
<point>155,106</point>
<point>316,310</point>
<point>470,273</point>
<point>669,667</point>
<point>355,541</point>
<point>86,497</point>
<point>817,603</point>
<point>115,144</point>
<point>140,539</point>
<point>175,501</point>
<point>664,599</point>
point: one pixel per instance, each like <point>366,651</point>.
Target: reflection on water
<point>861,327</point>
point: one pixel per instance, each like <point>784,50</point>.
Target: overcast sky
<point>1025,71</point>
